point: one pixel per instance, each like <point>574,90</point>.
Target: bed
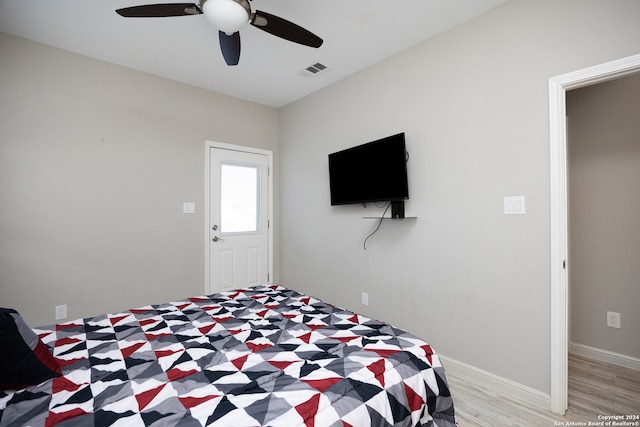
<point>257,356</point>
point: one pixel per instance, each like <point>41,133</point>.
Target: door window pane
<point>238,199</point>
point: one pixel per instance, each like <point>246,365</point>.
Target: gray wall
<point>95,163</point>
<point>97,224</point>
<point>604,206</point>
<point>474,105</point>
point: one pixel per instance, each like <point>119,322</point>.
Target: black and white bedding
<point>260,356</point>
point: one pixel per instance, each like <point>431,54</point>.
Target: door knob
<point>216,238</point>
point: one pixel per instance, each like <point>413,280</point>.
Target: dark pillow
<point>24,358</point>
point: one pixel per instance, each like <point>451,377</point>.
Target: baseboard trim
<point>605,356</point>
<point>511,388</point>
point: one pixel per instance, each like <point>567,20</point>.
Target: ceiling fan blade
<point>230,47</point>
<point>284,29</point>
<point>159,10</point>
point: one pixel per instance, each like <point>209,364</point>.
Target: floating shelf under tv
<point>388,217</point>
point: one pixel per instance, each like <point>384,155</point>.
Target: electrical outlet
<point>61,312</point>
<point>365,298</point>
<point>613,319</point>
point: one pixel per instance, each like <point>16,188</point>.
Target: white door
<point>238,223</point>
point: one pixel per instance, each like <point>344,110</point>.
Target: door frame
<point>558,86</point>
<point>207,203</point>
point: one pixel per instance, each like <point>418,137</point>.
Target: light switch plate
<point>189,207</point>
<point>514,205</point>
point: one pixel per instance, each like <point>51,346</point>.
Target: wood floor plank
<point>595,388</point>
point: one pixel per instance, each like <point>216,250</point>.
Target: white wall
<point>474,105</point>
<point>604,213</point>
<point>95,163</point>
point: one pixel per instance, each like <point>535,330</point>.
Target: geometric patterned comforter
<point>259,356</point>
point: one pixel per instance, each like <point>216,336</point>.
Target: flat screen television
<point>372,172</point>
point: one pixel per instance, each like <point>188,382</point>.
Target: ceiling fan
<point>228,16</point>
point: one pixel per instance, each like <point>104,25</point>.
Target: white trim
<point>504,385</point>
<point>605,356</point>
<point>558,213</point>
<point>207,192</point>
<point>559,369</point>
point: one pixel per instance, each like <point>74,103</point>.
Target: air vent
<point>314,70</point>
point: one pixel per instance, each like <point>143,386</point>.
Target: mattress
<point>258,356</point>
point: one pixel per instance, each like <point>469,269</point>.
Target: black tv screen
<point>372,172</point>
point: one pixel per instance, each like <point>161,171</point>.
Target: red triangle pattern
<point>190,402</point>
<point>66,341</point>
<point>414,399</point>
<point>322,384</point>
<point>146,397</point>
<point>165,353</point>
<point>152,337</point>
<point>206,329</point>
<point>176,374</point>
<point>428,352</point>
<point>55,418</point>
<point>378,370</point>
<point>240,361</point>
<point>64,384</point>
<point>257,347</point>
<point>306,337</point>
<point>63,363</point>
<point>308,409</point>
<point>63,326</point>
<point>128,351</point>
<point>117,319</point>
<point>383,352</point>
<point>146,322</point>
<point>281,364</point>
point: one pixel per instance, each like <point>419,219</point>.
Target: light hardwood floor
<point>595,388</point>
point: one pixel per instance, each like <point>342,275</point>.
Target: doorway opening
<point>558,86</point>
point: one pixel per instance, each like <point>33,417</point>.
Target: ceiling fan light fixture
<point>227,16</point>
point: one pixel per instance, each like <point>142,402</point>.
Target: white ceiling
<point>356,33</point>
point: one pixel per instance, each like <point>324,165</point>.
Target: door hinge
<point>564,264</point>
